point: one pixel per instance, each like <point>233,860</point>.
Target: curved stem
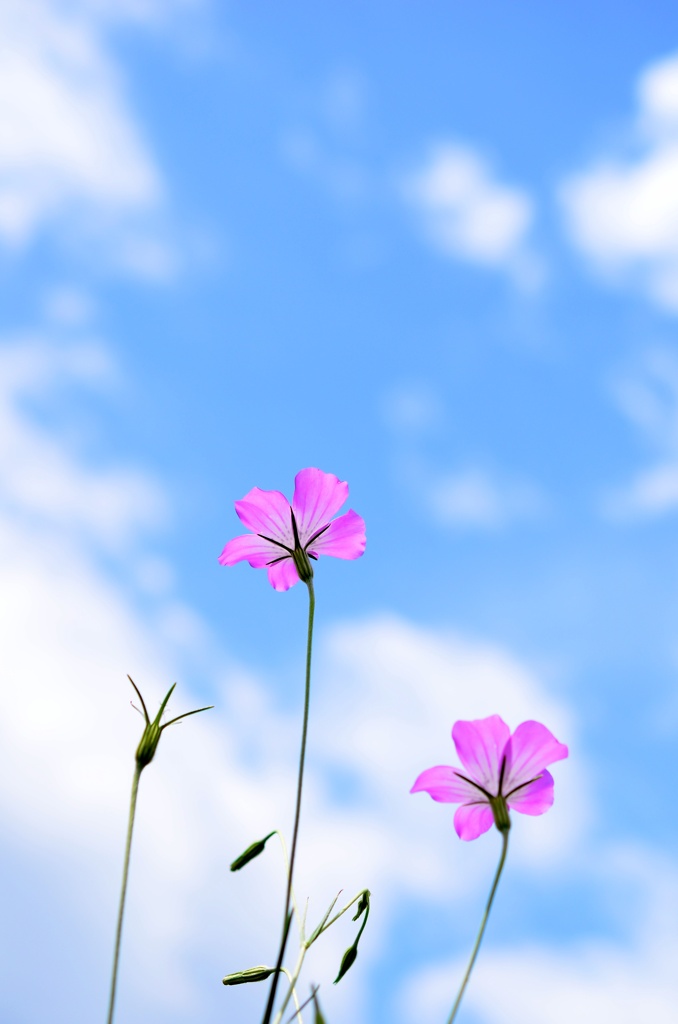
<point>293,991</point>
<point>297,814</point>
<point>479,939</point>
<point>123,890</point>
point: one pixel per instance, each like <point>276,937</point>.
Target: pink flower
<point>500,770</point>
<point>284,537</point>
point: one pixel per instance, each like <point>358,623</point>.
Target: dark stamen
<point>295,531</point>
<point>317,534</point>
<point>472,783</point>
<point>523,784</point>
<point>277,543</point>
<point>501,774</point>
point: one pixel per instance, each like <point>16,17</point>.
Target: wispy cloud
<point>475,498</point>
<point>73,156</point>
<point>467,214</point>
<point>622,210</point>
<point>39,477</point>
<point>649,399</point>
<point>626,980</point>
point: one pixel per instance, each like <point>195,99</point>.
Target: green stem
<point>474,954</point>
<point>292,991</point>
<point>297,814</point>
<point>123,891</point>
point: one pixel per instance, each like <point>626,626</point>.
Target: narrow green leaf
<point>318,1018</point>
<point>324,921</point>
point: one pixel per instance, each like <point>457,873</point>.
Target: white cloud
<point>72,153</point>
<point>622,211</point>
<point>39,477</point>
<point>467,214</point>
<point>649,398</point>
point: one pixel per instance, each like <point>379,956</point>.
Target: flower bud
<point>251,974</point>
<point>363,904</point>
<point>251,852</point>
<point>347,961</point>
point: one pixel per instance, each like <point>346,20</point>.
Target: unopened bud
<point>250,853</point>
<point>363,904</point>
<point>347,961</point>
<point>251,974</point>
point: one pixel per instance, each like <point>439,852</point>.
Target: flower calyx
<point>302,562</point>
<point>500,813</point>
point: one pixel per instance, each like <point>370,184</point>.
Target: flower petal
<point>257,551</point>
<point>445,785</point>
<point>534,798</point>
<point>317,497</point>
<point>283,575</point>
<point>344,537</point>
<point>531,748</point>
<point>480,745</point>
<point>267,512</point>
<point>471,820</point>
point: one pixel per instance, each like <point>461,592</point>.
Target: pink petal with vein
<point>344,538</point>
<point>531,748</point>
<point>283,575</point>
<point>444,785</point>
<point>257,551</point>
<point>534,798</point>
<point>471,820</point>
<point>317,498</point>
<point>480,745</point>
<point>267,512</point>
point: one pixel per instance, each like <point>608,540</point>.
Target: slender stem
<point>286,859</point>
<point>297,814</point>
<point>123,890</point>
<point>479,939</point>
<point>293,979</point>
<point>293,992</point>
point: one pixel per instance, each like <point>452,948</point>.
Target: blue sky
<point>431,249</point>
